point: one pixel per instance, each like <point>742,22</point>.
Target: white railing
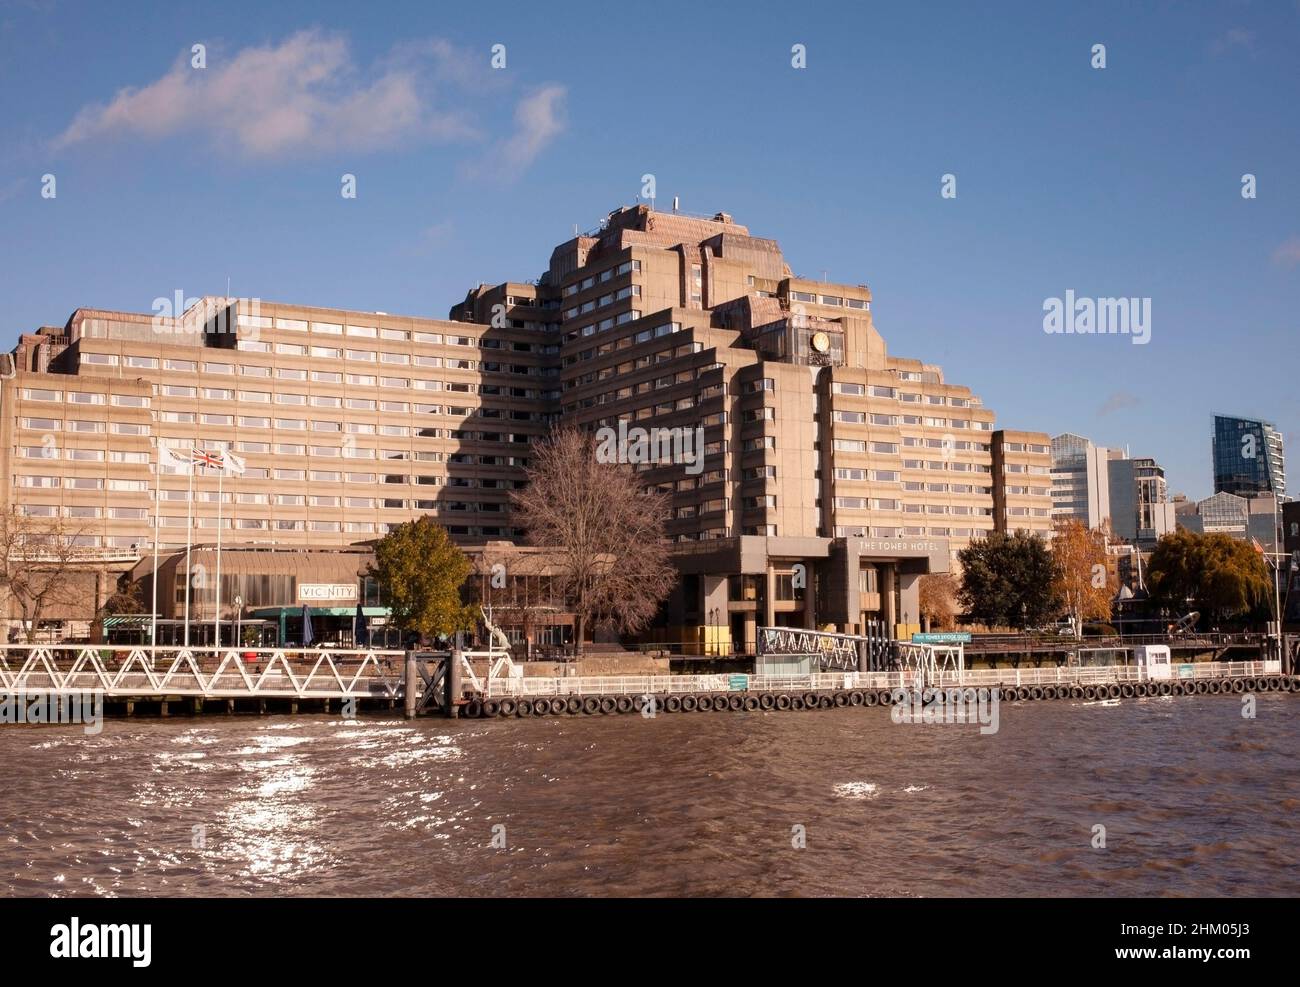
<point>638,685</point>
<point>1092,675</point>
<point>209,673</point>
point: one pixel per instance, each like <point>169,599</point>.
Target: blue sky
<point>1123,181</point>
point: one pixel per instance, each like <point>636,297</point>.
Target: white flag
<point>181,464</point>
<point>232,465</point>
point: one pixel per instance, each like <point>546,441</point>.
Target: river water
<point>1194,798</point>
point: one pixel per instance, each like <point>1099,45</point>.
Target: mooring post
<point>453,678</point>
<point>410,686</point>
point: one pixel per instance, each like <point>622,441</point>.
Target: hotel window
<point>326,426</point>
<point>44,424</point>
<point>429,337</point>
<point>86,455</point>
<point>293,325</point>
<point>402,359</point>
<point>327,352</point>
<point>325,401</point>
<point>288,397</point>
<point>134,486</point>
<point>258,447</point>
<point>291,474</point>
<point>178,391</point>
<point>327,328</point>
<point>290,449</point>
<point>401,334</point>
<point>253,346</point>
<point>218,368</point>
<point>184,366</point>
<point>851,417</point>
<point>44,482</point>
<point>248,370</point>
<point>326,452</point>
<point>361,380</point>
<point>256,397</point>
<point>289,373</point>
<point>217,419</point>
<point>428,361</point>
<point>218,394</point>
<point>360,428</point>
<point>394,382</point>
<point>359,477</point>
<point>37,394</point>
<point>289,500</point>
<point>177,417</point>
<point>295,424</point>
<point>326,377</point>
<point>142,362</point>
<point>326,476</point>
<point>366,332</point>
<point>246,422</point>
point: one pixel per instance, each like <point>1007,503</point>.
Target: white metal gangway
<point>142,671</point>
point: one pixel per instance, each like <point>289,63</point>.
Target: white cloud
<point>1236,37</point>
<point>539,119</point>
<point>301,96</point>
<point>1287,253</point>
<point>1118,401</point>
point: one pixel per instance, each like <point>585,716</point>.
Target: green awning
<point>277,612</point>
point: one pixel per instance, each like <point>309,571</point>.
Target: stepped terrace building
<point>828,474</point>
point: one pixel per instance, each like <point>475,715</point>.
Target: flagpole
<point>189,521</point>
<point>157,516</point>
<point>216,625</point>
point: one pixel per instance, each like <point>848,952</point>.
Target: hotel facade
<point>833,474</point>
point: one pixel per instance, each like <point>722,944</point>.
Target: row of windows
<point>627,267</point>
<point>631,291</point>
<point>911,397</point>
<point>832,300</point>
<point>862,531</point>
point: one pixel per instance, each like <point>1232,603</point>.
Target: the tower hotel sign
<point>327,592</point>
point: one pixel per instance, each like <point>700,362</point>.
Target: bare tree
<point>514,586</point>
<point>38,566</point>
<point>605,529</point>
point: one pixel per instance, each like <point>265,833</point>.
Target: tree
<point>1218,575</point>
<point>39,569</point>
<point>606,531</point>
<point>420,572</point>
<point>1083,583</point>
<point>938,599</point>
<point>1008,580</point>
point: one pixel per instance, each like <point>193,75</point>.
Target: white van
<point>1154,659</point>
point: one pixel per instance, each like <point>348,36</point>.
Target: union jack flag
<point>201,457</point>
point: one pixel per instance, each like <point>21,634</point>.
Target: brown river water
<point>1195,800</point>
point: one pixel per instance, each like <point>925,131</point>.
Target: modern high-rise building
<point>819,452</point>
<point>1141,511</point>
<point>1248,457</point>
<point>1080,480</point>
